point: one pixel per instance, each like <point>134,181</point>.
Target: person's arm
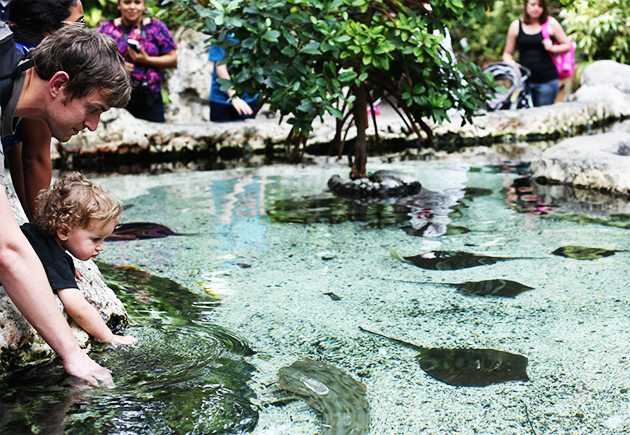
<point>36,162</point>
<point>166,60</point>
<point>88,317</point>
<point>14,162</point>
<point>510,43</point>
<point>239,104</point>
<point>563,43</point>
<point>24,280</point>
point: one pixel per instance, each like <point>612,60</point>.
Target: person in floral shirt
<point>148,48</point>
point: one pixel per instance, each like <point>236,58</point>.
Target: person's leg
<point>146,105</point>
<point>544,94</point>
<point>222,112</point>
<point>227,113</point>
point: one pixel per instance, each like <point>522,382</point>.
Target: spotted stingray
<point>467,367</point>
<point>330,391</point>
<point>488,287</point>
<point>450,260</point>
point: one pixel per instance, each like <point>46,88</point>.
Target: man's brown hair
<point>92,61</point>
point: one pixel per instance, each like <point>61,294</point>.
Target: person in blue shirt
<point>227,106</point>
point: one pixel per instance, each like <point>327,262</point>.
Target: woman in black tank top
<point>525,35</point>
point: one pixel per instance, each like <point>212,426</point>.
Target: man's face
<point>69,117</point>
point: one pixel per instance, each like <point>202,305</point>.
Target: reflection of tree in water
<point>428,213</point>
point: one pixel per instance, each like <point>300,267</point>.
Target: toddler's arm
<point>88,317</point>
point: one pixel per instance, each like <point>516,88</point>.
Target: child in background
<point>226,106</point>
<point>74,215</point>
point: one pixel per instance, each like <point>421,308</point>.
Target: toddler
<point>74,215</point>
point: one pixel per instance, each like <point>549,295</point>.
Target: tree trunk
<point>360,144</point>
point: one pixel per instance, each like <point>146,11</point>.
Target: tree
<point>600,28</point>
<point>310,58</point>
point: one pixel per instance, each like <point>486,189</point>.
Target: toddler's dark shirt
<point>57,263</point>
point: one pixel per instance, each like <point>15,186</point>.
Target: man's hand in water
<point>84,367</point>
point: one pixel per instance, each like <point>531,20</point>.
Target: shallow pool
<point>298,282</point>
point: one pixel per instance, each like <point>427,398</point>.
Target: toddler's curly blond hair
<point>75,201</point>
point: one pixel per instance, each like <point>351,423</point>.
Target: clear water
<point>275,280</point>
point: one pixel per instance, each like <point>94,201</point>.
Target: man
<point>78,75</point>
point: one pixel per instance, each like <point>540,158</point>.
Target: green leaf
<point>271,36</point>
<point>347,76</point>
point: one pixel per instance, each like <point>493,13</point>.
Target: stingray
<point>489,287</point>
<point>467,367</point>
<point>426,230</point>
<point>140,230</point>
<point>450,260</point>
<point>583,252</point>
<point>338,397</point>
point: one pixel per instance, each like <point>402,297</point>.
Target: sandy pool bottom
<point>274,279</point>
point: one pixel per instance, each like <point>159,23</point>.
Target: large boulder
<point>607,72</point>
<point>21,345</point>
<point>599,162</point>
<point>188,85</point>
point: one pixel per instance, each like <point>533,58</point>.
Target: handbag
<point>564,62</point>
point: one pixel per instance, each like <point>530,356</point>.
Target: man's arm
<point>24,280</point>
<point>35,161</point>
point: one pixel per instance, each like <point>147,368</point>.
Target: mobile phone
<point>135,45</point>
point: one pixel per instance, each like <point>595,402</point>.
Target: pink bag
<point>565,62</point>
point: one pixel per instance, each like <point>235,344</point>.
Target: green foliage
<point>98,11</point>
<point>600,28</point>
<point>484,40</point>
<point>310,58</point>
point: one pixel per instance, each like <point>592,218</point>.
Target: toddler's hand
<point>123,339</point>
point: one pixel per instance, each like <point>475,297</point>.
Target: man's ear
<point>63,230</point>
<point>57,83</point>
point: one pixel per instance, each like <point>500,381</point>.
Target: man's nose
<point>92,121</point>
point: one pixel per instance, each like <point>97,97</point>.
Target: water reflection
<point>567,203</point>
<point>187,375</point>
<point>428,213</point>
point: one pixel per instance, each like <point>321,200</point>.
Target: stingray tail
<point>395,340</point>
<point>398,256</point>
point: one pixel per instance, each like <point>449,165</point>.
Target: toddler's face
<point>86,243</point>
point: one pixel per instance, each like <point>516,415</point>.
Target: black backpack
<point>12,62</point>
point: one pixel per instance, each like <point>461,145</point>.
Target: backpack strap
<point>544,29</point>
<point>13,62</point>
